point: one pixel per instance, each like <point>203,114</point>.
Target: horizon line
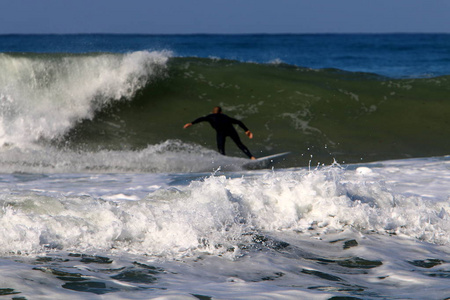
<point>255,33</point>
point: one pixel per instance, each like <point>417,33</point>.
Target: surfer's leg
<point>241,146</point>
<point>221,143</point>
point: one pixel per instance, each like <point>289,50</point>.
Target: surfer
<point>223,125</point>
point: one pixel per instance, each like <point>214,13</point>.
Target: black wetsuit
<point>223,125</point>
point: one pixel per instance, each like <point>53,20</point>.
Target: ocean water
<point>104,195</point>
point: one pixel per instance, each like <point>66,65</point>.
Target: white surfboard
<point>266,161</point>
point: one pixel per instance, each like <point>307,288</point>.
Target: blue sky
<point>224,16</point>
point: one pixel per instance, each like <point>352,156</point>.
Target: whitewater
<point>104,195</point>
<point>72,89</point>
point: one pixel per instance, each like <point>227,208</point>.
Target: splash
<point>43,96</point>
<point>165,157</point>
<point>219,215</point>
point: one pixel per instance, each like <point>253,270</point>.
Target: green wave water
<point>318,115</point>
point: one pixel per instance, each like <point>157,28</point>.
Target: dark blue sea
<point>394,55</point>
<point>104,195</point>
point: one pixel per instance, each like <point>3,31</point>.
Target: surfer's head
<point>217,110</point>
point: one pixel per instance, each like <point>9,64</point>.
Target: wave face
<point>70,108</point>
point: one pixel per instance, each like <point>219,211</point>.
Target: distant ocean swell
<point>81,106</point>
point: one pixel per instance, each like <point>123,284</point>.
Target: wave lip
<point>43,96</point>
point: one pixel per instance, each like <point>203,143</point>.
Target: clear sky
<point>224,16</point>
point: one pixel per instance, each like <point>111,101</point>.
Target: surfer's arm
<point>242,125</point>
<point>201,119</point>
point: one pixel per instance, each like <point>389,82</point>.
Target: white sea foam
<point>168,156</point>
<point>212,214</point>
<point>261,234</point>
<point>42,97</point>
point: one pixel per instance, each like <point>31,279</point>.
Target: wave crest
<point>43,96</point>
